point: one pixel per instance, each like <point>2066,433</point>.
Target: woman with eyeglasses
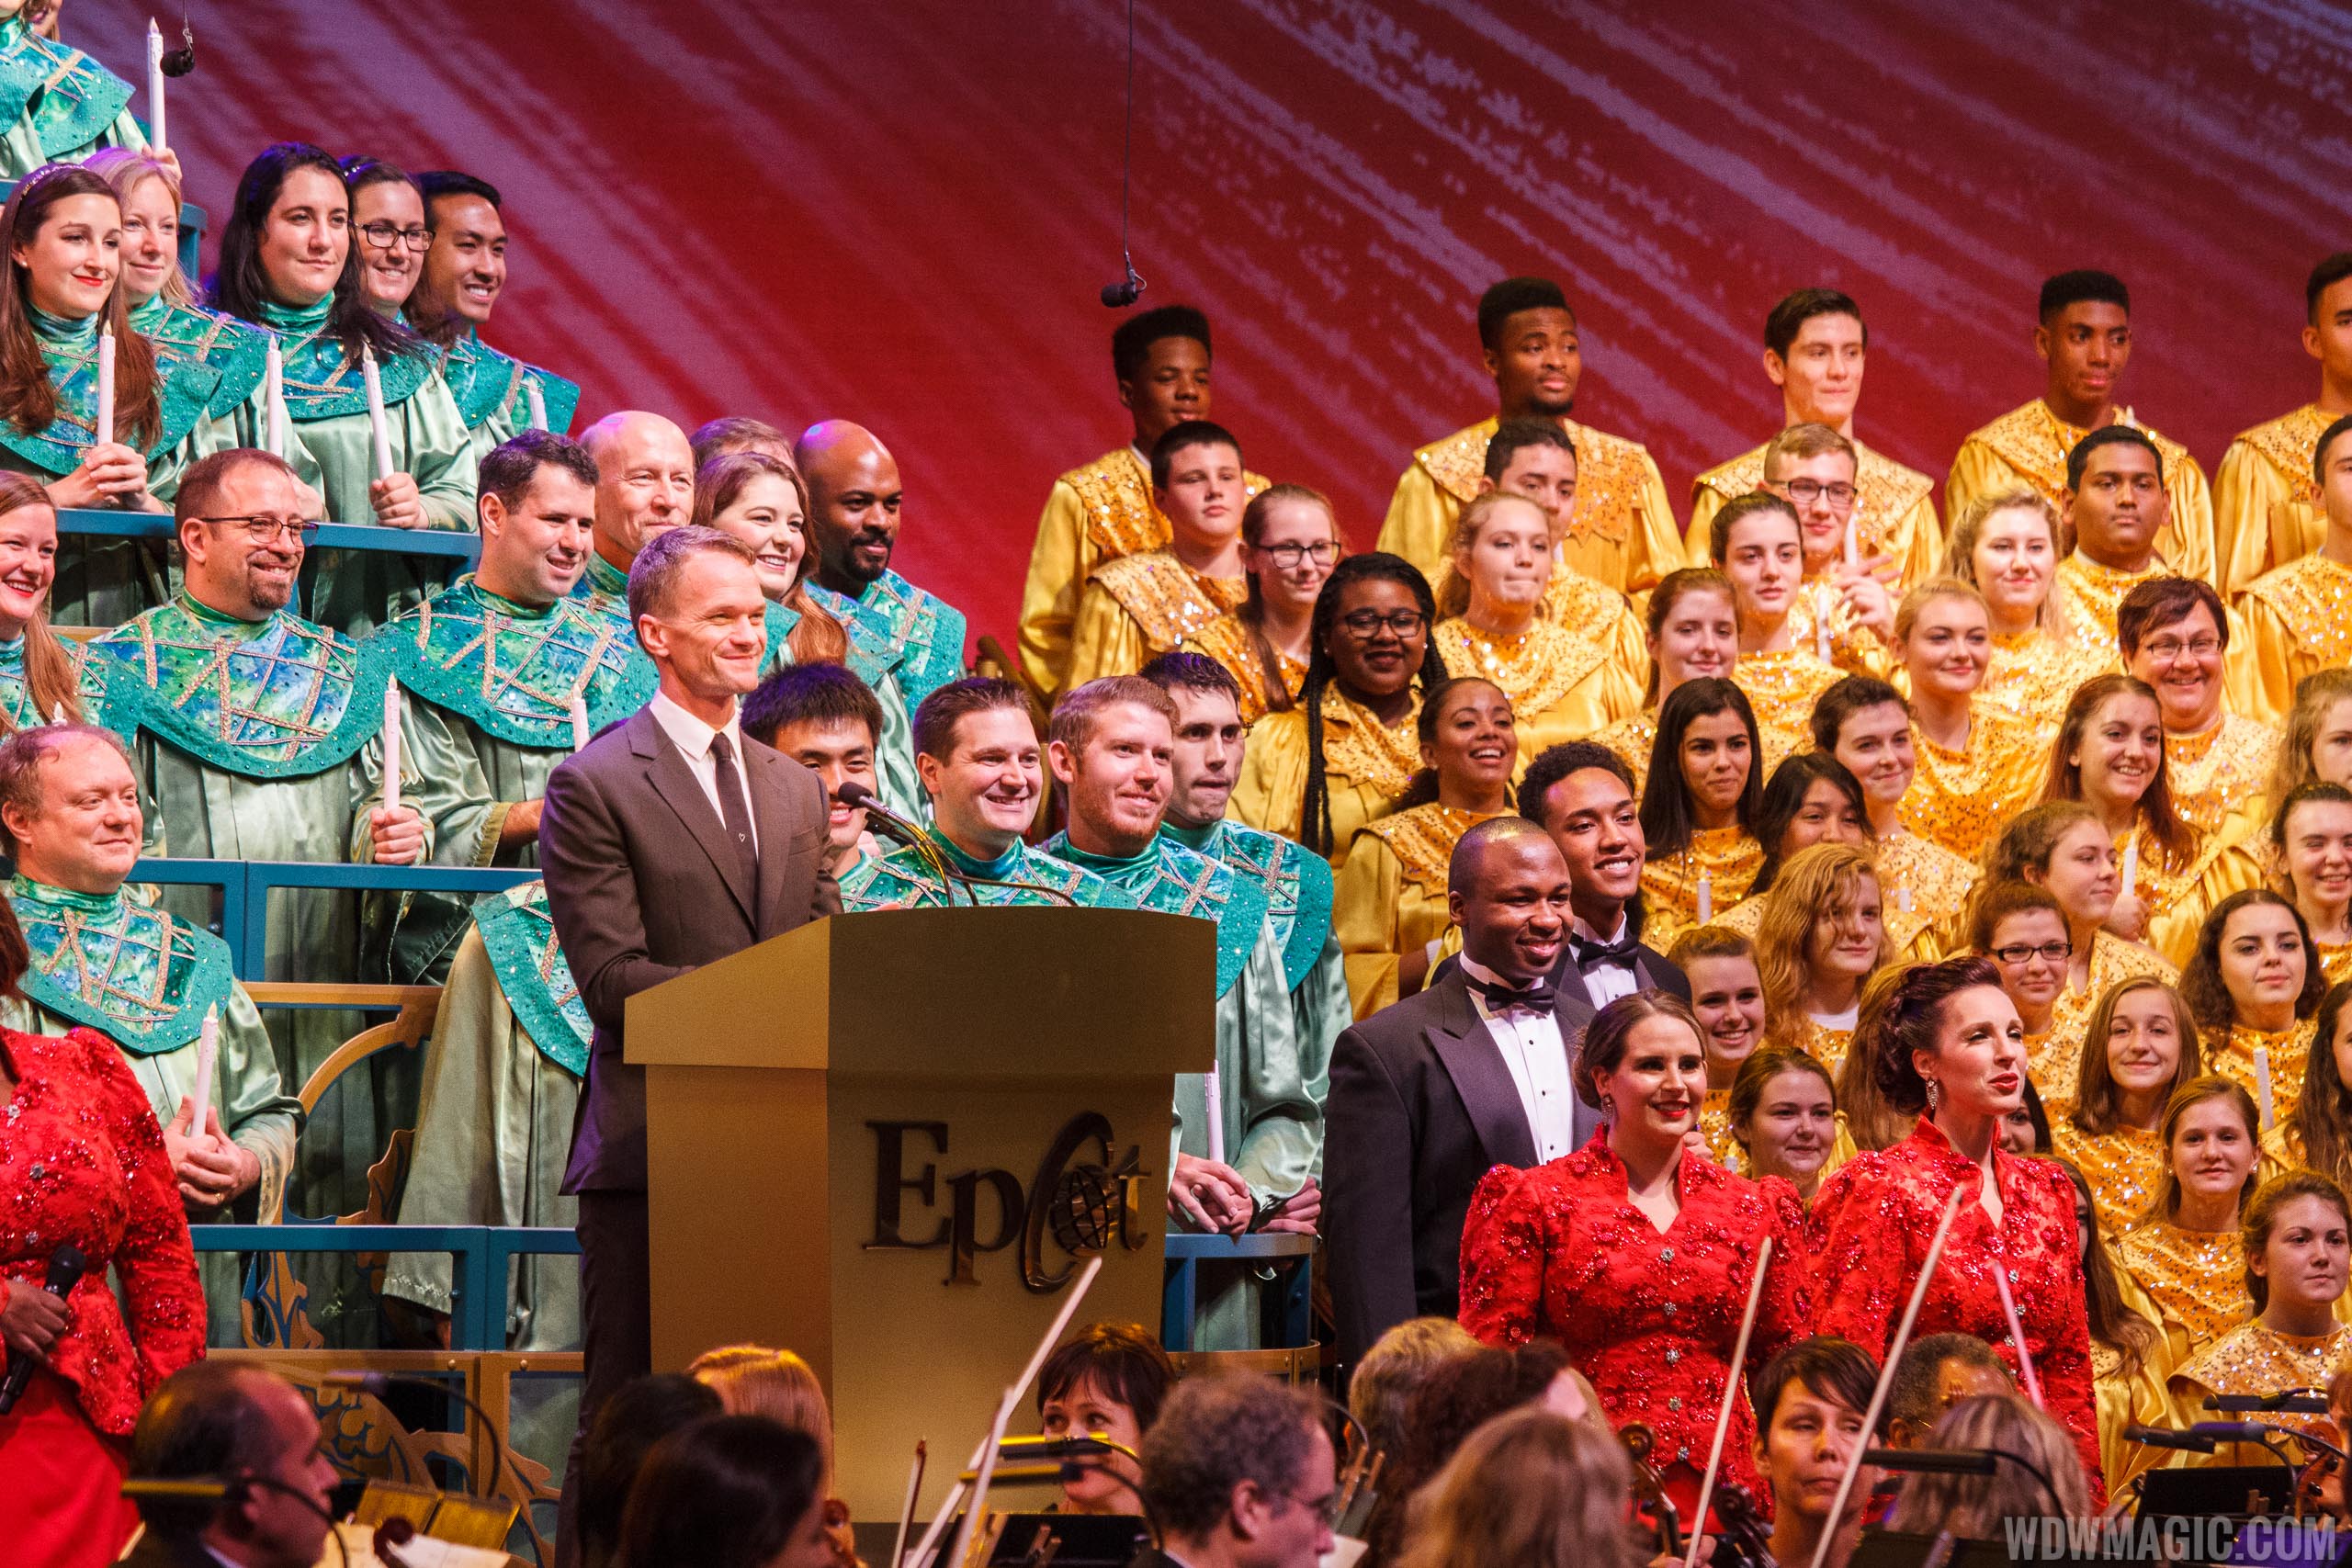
<point>2005,546</point>
<point>1561,680</point>
<point>2023,931</point>
<point>1693,632</point>
<point>2313,837</point>
<point>2253,988</point>
<point>1290,541</point>
<point>1347,752</point>
<point>1976,765</point>
<point>1698,808</point>
<point>1388,903</point>
<point>2184,1251</point>
<point>388,224</point>
<point>289,261</point>
<point>2140,1046</point>
<point>2175,634</point>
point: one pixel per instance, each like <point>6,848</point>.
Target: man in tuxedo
<point>1582,793</point>
<point>1472,1072</point>
<point>668,842</point>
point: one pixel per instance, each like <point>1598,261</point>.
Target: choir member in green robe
<point>289,262</point>
<point>144,978</point>
<point>645,484</point>
<point>42,676</point>
<point>465,272</point>
<point>982,770</point>
<point>825,719</point>
<point>250,720</point>
<point>903,642</point>
<point>505,673</point>
<point>761,502</point>
<point>57,104</point>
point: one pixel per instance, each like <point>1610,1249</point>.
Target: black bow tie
<point>1499,996</point>
<point>1591,953</point>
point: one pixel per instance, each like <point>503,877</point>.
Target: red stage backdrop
<point>898,211</point>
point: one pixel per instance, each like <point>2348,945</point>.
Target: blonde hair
<point>1531,1489</point>
<point>1453,588</point>
<point>1959,550</point>
<point>127,168</point>
<point>2186,1098</point>
<point>754,1380</point>
<point>1974,1506</point>
<point>1801,442</point>
<point>1907,614</point>
<point>1389,1372</point>
<point>2291,766</point>
<point>1815,879</point>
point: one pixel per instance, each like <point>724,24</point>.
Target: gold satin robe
<point>2029,445</point>
<point>1726,857</point>
<point>1366,765</point>
<point>2252,1359</point>
<point>1939,882</point>
<point>2131,1395</point>
<point>2217,778</point>
<point>2297,620</point>
<point>1561,686</point>
<point>2181,890</point>
<point>1227,641</point>
<point>1782,687</point>
<point>1894,515</point>
<point>2267,509</point>
<point>2288,1052</point>
<point>1852,647</point>
<point>2033,675</point>
<point>1140,606</point>
<point>2056,1065</point>
<point>1962,800</point>
<point>1621,532</point>
<point>2125,1167</point>
<point>1633,738</point>
<point>2196,1277</point>
<point>1389,897</point>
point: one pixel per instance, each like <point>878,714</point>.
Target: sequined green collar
<point>488,383</point>
<point>897,631</point>
<point>281,698</point>
<point>17,696</point>
<point>322,382</point>
<point>1177,881</point>
<point>77,98</point>
<point>1297,886</point>
<point>514,671</point>
<point>69,349</point>
<point>900,878</point>
<point>135,974</point>
<point>519,935</point>
<point>235,352</point>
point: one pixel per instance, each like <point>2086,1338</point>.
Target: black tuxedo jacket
<point>1421,1106</point>
<point>1655,972</point>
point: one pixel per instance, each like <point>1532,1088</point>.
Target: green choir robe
<point>145,979</point>
<point>248,737</point>
<point>905,644</point>
<point>326,408</point>
<point>900,880</point>
<point>59,105</point>
<point>493,392</point>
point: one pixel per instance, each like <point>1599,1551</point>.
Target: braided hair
<point>1315,806</point>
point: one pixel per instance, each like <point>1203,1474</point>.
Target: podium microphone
<point>67,1266</point>
<point>855,795</point>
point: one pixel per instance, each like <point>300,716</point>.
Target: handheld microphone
<point>2167,1438</point>
<point>1074,1446</point>
<point>67,1266</point>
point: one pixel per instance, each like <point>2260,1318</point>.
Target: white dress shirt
<point>1604,983</point>
<point>692,737</point>
<point>1538,1059</point>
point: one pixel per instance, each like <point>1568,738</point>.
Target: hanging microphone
<point>181,61</point>
<point>1119,296</point>
<point>67,1266</point>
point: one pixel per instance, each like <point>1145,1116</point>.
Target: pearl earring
<point>1934,1093</point>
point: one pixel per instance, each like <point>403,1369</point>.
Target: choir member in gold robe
<point>1810,799</point>
<point>2185,1251</point>
<point>1866,724</point>
<point>2174,634</point>
<point>1784,1112</point>
<point>1160,362</point>
<point>1814,350</point>
<point>1756,544</point>
<point>1822,938</point>
<point>2299,616</point>
<point>2063,848</point>
<point>2313,835</point>
<point>2255,987</point>
<point>1622,531</point>
<point>2109,753</point>
<point>1388,902</point>
<point>2139,1047</point>
<point>1978,764</point>
<point>2083,332</point>
<point>2315,738</point>
<point>1693,632</point>
<point>2127,1363</point>
<point>1536,459</point>
<point>2317,1135</point>
<point>1728,998</point>
<point>1561,685</point>
<point>1348,750</point>
<point>1813,469</point>
<point>2267,509</point>
<point>1698,807</point>
<point>1290,541</point>
<point>1144,604</point>
<point>2022,930</point>
<point>2005,546</point>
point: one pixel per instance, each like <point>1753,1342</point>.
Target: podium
<point>889,1141</point>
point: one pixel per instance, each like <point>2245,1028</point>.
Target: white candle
<point>1215,1097</point>
<point>104,432</point>
<point>376,426</point>
<point>57,712</point>
<point>579,722</point>
<point>1853,545</point>
<point>156,142</point>
<point>1821,602</point>
<point>1903,897</point>
<point>208,1051</point>
<point>536,400</point>
<point>2262,1083</point>
<point>2132,863</point>
<point>275,437</point>
<point>391,745</point>
<point>1706,898</point>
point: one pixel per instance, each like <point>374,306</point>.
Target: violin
<point>1651,1503</point>
<point>1742,1541</point>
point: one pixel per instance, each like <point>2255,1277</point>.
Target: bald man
<point>903,642</point>
<point>1429,1095</point>
<point>645,485</point>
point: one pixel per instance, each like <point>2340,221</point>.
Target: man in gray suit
<point>670,841</point>
<point>1429,1095</point>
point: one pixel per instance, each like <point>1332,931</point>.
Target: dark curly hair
<point>1315,808</point>
<point>2200,977</point>
<point>1908,1018</point>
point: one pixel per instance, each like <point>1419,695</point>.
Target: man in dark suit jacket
<point>668,842</point>
<point>1429,1095</point>
<point>215,1420</point>
<point>1582,793</point>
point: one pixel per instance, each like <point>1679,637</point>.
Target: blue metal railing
<point>461,543</point>
<point>481,1255</point>
<point>246,887</point>
<point>1286,1253</point>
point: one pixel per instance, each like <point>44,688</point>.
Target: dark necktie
<point>1499,995</point>
<point>1590,952</point>
<point>733,810</point>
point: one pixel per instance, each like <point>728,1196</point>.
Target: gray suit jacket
<point>642,889</point>
<point>1421,1106</point>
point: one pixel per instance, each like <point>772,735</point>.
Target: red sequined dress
<point>82,1161</point>
<point>1651,1316</point>
<point>1872,1222</point>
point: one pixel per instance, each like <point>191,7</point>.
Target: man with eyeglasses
<point>1619,529</point>
<point>2295,620</point>
<point>2083,332</point>
<point>1160,362</point>
<point>1815,348</point>
<point>1141,605</point>
<point>463,242</point>
<point>1815,469</point>
<point>2175,635</point>
<point>250,723</point>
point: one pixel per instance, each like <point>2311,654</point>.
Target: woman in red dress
<point>1946,1045</point>
<point>1636,1254</point>
<point>82,1163</point>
